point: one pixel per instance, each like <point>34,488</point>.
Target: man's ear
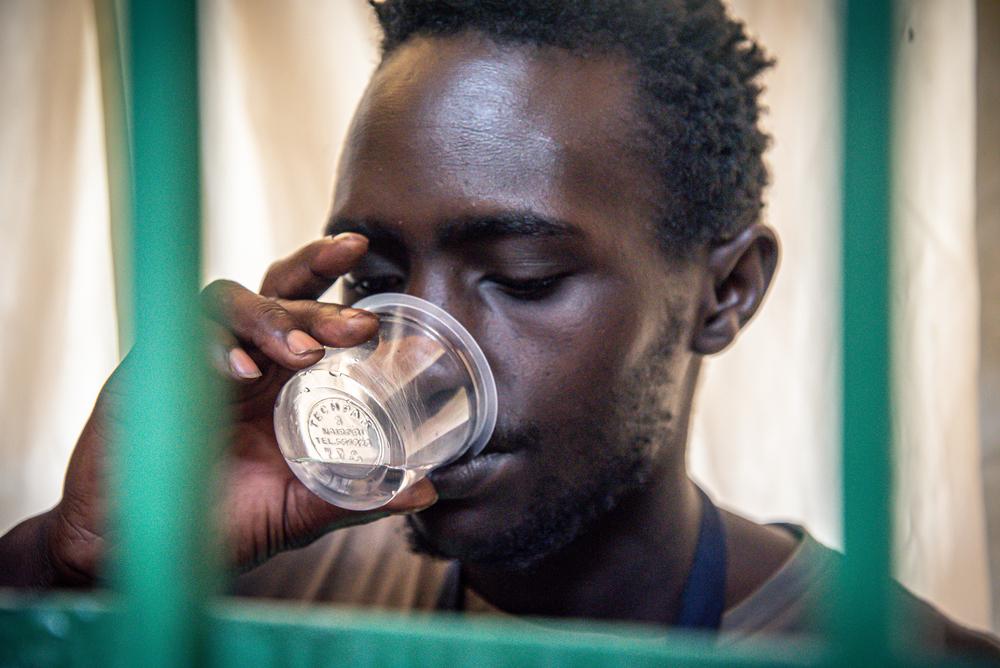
<point>740,271</point>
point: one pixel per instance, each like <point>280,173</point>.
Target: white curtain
<point>280,80</point>
<point>57,308</point>
<point>279,84</point>
<point>940,522</point>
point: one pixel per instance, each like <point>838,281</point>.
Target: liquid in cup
<point>364,423</point>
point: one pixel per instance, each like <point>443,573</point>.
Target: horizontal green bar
<point>72,630</point>
<point>76,631</point>
<point>259,635</point>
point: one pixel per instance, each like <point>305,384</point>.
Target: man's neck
<point>631,565</point>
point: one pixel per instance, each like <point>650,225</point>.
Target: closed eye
<point>527,289</point>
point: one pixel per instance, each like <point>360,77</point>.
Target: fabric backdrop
<point>280,80</point>
<point>57,308</point>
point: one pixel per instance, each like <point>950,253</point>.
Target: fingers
<point>332,324</point>
<point>325,516</point>
<point>288,332</point>
<point>310,271</point>
<point>227,356</point>
<point>307,516</point>
<point>261,322</point>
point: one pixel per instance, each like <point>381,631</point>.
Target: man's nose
<point>442,286</point>
<point>437,286</point>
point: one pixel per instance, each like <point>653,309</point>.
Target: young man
<point>579,183</point>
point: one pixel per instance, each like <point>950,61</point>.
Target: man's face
<point>496,182</point>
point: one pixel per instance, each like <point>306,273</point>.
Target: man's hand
<point>258,341</point>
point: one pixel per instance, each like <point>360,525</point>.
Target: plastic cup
<point>365,423</point>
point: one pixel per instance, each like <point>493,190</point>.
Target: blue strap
<point>704,596</point>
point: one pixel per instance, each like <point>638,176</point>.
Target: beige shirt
<point>371,566</point>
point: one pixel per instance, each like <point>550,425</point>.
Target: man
<point>579,183</point>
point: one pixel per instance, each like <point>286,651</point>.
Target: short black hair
<point>696,70</point>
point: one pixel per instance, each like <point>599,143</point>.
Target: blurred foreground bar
<point>861,625</point>
<point>162,466</point>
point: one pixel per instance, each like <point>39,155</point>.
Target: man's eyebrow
<point>515,224</point>
<point>466,229</point>
<point>375,232</point>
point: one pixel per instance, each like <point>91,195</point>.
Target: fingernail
<point>419,497</point>
<point>301,343</point>
<point>355,313</point>
<point>349,236</point>
<point>242,365</point>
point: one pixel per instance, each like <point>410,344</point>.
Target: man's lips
<point>466,478</point>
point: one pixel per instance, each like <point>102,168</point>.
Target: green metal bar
<point>282,636</point>
<point>65,630</point>
<point>162,466</point>
<point>862,626</point>
<point>72,630</point>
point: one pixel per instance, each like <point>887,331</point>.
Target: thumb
<point>413,499</point>
<point>309,516</point>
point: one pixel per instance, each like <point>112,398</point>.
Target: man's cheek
<point>556,392</point>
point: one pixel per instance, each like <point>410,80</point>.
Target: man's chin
<point>515,548</point>
<point>497,536</point>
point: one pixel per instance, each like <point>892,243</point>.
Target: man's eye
<point>530,289</point>
<point>370,285</point>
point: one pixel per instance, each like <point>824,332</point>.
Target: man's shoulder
<point>792,600</point>
<point>945,633</point>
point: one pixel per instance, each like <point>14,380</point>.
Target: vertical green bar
<point>163,485</point>
<point>862,625</point>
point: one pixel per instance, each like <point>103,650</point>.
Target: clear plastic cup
<point>364,423</point>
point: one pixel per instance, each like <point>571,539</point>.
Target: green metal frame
<point>164,464</point>
<point>861,622</point>
<point>162,613</point>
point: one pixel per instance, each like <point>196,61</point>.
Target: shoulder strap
<point>704,596</point>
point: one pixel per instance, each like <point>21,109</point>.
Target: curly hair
<point>696,70</point>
